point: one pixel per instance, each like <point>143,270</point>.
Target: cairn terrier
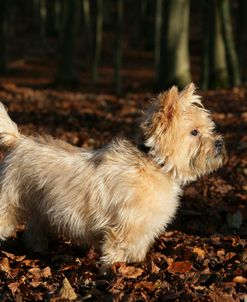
<point>121,196</point>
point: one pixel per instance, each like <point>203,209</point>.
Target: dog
<point>121,196</point>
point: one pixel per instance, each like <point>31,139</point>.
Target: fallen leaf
<point>20,258</point>
<point>46,272</point>
<point>230,255</point>
<point>199,252</point>
<point>154,268</point>
<point>220,253</point>
<point>66,292</point>
<point>4,265</point>
<point>35,272</point>
<point>130,271</point>
<point>67,267</point>
<point>13,287</point>
<point>9,255</point>
<point>35,283</point>
<point>40,273</point>
<point>146,284</point>
<point>239,279</point>
<point>179,267</point>
<point>29,262</point>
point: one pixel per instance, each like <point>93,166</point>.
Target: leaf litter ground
<point>201,257</point>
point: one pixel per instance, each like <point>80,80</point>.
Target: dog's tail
<point>9,133</point>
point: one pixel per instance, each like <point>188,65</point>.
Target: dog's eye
<point>194,132</point>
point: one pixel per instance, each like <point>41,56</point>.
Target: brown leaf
<point>9,255</point>
<point>20,258</point>
<point>146,284</point>
<point>46,272</point>
<point>218,295</point>
<point>230,255</point>
<point>35,272</point>
<point>13,287</point>
<point>4,265</point>
<point>239,279</point>
<point>221,253</point>
<point>35,283</point>
<point>14,272</point>
<point>38,273</point>
<point>179,267</point>
<point>154,268</point>
<point>130,271</point>
<point>68,267</point>
<point>199,252</point>
<point>66,292</point>
<point>29,262</point>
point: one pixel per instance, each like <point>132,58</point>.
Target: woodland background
<point>82,71</point>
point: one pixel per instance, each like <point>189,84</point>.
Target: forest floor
<point>201,257</point>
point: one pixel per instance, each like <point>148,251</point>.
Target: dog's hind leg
<point>8,217</point>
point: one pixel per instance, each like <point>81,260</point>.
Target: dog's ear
<point>169,103</point>
<point>188,96</point>
<point>188,91</point>
<point>161,113</point>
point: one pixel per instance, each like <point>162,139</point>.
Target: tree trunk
<point>42,28</point>
<point>119,46</point>
<point>38,22</point>
<point>35,15</point>
<point>58,23</point>
<point>66,73</point>
<point>231,54</point>
<point>2,36</point>
<point>218,74</point>
<point>97,40</point>
<point>158,30</point>
<point>88,27</point>
<point>51,17</point>
<point>242,38</point>
<point>140,12</point>
<point>175,65</point>
<point>207,40</point>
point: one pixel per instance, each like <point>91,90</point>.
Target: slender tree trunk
<point>207,31</point>
<point>39,21</point>
<point>97,40</point>
<point>231,54</point>
<point>2,36</point>
<point>158,30</point>
<point>43,14</point>
<point>36,15</point>
<point>140,7</point>
<point>88,26</point>
<point>58,23</point>
<point>119,46</point>
<point>175,66</point>
<point>51,17</point>
<point>242,38</point>
<point>66,73</point>
<point>219,73</point>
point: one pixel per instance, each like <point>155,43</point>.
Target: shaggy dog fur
<point>119,196</point>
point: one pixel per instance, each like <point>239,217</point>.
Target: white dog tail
<point>9,133</point>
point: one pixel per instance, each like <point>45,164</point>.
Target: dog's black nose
<point>219,144</point>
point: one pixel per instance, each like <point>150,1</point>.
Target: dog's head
<point>181,135</point>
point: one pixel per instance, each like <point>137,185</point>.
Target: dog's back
<point>9,133</point>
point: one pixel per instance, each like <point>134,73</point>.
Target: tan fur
<point>117,196</point>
